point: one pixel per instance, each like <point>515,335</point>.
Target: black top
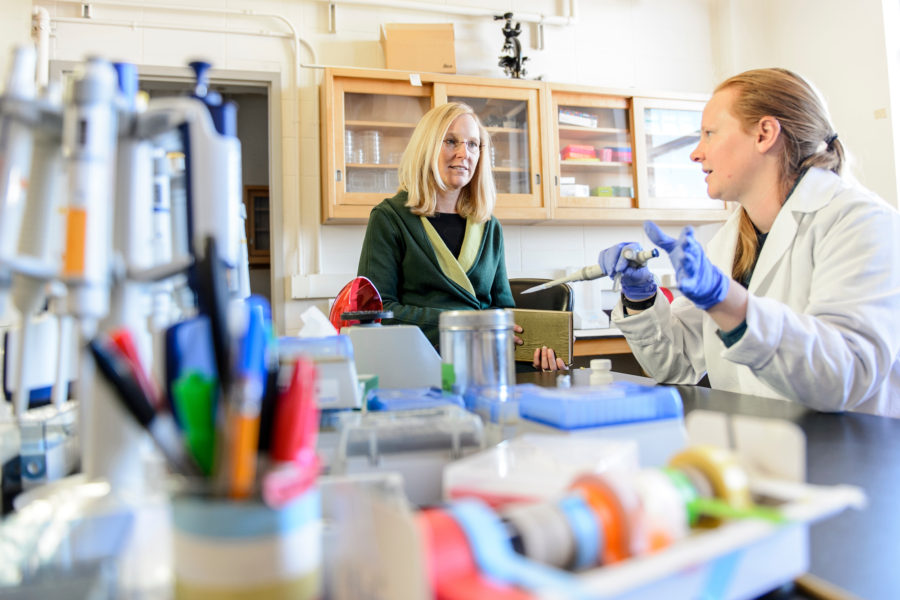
<point>760,240</point>
<point>452,229</point>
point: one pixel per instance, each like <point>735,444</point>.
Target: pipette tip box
<point>584,407</point>
<point>653,416</point>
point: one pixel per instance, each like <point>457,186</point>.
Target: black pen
<point>161,426</point>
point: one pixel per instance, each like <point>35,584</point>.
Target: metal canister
<point>479,346</point>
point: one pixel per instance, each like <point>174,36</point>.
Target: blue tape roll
<point>587,531</point>
<point>495,557</point>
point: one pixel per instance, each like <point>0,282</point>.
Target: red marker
<point>123,341</point>
<point>294,430</point>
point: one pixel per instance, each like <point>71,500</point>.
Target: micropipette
<point>589,272</point>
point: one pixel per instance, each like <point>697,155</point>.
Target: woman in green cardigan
<point>435,245</point>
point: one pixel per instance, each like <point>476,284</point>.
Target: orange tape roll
<point>615,533</point>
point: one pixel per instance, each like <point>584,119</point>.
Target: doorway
<point>257,95</point>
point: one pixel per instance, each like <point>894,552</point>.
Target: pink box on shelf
<point>621,154</point>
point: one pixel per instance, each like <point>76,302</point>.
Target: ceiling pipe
<point>40,34</point>
<point>469,11</point>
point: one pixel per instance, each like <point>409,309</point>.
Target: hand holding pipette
<point>630,254</point>
<point>633,275</point>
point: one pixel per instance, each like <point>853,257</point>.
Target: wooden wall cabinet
<point>256,203</point>
<point>368,117</point>
<point>564,154</point>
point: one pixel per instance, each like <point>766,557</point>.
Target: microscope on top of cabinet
<point>511,59</point>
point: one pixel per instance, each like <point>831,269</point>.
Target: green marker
<point>194,402</point>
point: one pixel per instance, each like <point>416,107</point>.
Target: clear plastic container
<point>534,467</point>
<point>416,443</point>
<point>370,143</point>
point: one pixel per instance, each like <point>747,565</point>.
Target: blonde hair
<point>807,138</point>
<point>419,173</point>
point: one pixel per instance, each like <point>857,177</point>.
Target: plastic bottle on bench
<point>600,372</point>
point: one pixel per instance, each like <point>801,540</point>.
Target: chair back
<point>558,297</point>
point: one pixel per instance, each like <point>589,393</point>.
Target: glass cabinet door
<point>668,133</point>
<point>593,153</point>
<point>373,124</point>
<point>510,116</point>
<point>256,203</point>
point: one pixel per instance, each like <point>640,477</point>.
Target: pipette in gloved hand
<point>596,271</point>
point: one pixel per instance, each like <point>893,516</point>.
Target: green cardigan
<point>400,260</point>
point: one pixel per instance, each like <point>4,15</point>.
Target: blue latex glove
<point>699,280</point>
<point>637,281</point>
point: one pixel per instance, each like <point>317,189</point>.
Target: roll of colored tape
<point>489,542</point>
<point>698,481</point>
<point>585,529</point>
<point>664,508</point>
<point>545,532</point>
<point>452,571</point>
<point>687,491</point>
<point>610,514</point>
<point>721,468</point>
<point>447,554</point>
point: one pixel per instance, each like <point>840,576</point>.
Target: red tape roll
<point>451,567</point>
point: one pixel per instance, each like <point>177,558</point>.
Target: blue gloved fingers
<point>611,258</point>
<point>638,283</point>
<point>623,263</point>
<point>658,237</point>
<point>698,279</point>
<point>691,254</point>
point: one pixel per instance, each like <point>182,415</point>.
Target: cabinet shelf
<point>630,216</point>
<point>528,141</point>
<point>675,167</point>
<point>505,130</point>
<point>672,145</point>
<point>590,164</point>
<point>371,166</point>
<point>590,132</point>
<point>378,125</point>
<point>598,201</point>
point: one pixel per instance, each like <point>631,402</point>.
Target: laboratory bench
<point>852,550</point>
<point>593,342</point>
<point>856,549</point>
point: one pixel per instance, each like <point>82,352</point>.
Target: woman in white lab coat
<point>799,295</point>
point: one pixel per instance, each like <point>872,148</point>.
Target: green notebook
<point>551,328</point>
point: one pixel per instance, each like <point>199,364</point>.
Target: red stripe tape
<point>450,565</point>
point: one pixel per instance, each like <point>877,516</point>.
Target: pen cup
<point>245,550</point>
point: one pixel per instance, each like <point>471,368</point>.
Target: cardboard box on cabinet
<point>428,47</point>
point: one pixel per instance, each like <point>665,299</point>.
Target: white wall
<point>15,29</point>
<point>841,48</point>
<point>673,45</point>
<point>648,44</point>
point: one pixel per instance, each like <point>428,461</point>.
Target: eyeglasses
<point>472,147</point>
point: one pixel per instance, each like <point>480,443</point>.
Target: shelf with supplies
<point>256,203</point>
<point>627,155</point>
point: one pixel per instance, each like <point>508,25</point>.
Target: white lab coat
<point>823,316</point>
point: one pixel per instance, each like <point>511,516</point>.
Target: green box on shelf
<point>602,190</point>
